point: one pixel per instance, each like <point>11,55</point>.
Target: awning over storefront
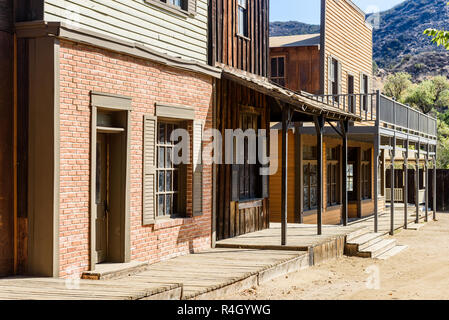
<point>298,102</point>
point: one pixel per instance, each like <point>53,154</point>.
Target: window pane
<point>281,67</point>
<point>168,157</point>
<point>313,197</point>
<point>161,180</point>
<point>306,198</point>
<point>161,133</point>
<point>274,69</point>
<point>160,205</point>
<point>161,157</point>
<point>168,181</point>
<point>168,204</point>
<point>306,175</point>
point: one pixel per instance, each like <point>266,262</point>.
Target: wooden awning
<point>299,102</point>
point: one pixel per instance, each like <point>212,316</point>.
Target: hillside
<point>399,43</point>
<point>292,28</point>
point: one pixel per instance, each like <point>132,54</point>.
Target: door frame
<point>111,102</point>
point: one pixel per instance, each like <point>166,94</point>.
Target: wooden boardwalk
<point>235,264</point>
<point>202,275</point>
<point>24,288</point>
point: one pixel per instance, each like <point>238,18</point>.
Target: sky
<point>308,11</point>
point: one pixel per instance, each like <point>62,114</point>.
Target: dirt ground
<point>419,272</point>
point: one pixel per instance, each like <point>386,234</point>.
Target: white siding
<point>138,21</point>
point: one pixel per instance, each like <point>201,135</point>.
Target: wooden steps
<point>372,245</point>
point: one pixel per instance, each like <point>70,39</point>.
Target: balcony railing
<point>391,113</point>
<point>363,105</point>
<point>406,118</point>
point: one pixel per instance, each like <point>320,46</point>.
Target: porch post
<point>417,183</point>
<point>376,163</point>
<point>376,184</point>
<point>426,177</point>
<point>319,125</point>
<point>435,187</point>
<point>393,152</point>
<point>344,169</point>
<point>284,201</point>
<point>405,187</point>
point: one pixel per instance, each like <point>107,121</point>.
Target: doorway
<point>110,144</point>
<point>102,197</point>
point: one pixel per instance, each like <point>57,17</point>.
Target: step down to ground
<point>357,233</point>
<point>362,242</point>
<point>415,226</point>
<point>377,249</point>
<point>392,252</point>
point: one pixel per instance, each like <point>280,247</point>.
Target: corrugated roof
<point>301,40</point>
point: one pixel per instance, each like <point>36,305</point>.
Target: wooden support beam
<point>405,187</point>
<point>298,175</point>
<point>376,178</point>
<point>344,170</point>
<point>434,188</point>
<point>319,125</point>
<point>417,183</point>
<point>426,177</point>
<point>392,186</point>
<point>286,116</point>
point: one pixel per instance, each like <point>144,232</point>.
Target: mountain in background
<point>399,43</point>
<point>292,28</point>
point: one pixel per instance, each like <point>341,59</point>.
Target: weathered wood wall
<point>302,67</point>
<point>139,21</point>
<point>6,139</point>
<point>232,219</point>
<point>349,39</point>
<point>245,53</point>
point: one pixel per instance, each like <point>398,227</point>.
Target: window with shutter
<point>242,17</point>
<point>149,167</point>
<point>310,180</point>
<point>197,168</point>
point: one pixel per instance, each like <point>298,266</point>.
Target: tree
<point>440,37</point>
<point>443,145</point>
<point>429,94</point>
<point>397,85</point>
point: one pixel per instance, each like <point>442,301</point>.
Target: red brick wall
<point>84,69</point>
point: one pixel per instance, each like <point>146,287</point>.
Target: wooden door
<point>102,173</point>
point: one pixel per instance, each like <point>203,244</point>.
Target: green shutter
<point>197,168</point>
<point>149,170</point>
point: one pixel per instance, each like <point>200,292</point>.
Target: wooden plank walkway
<point>384,225</point>
<point>299,237</point>
<point>203,275</point>
<point>25,288</point>
<point>213,272</point>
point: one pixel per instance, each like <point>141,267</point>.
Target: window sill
<point>239,35</point>
<point>170,8</point>
<point>251,203</point>
<point>334,206</point>
<point>168,222</point>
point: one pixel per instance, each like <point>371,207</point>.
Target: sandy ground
<point>419,272</point>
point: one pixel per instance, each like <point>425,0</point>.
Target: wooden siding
<point>232,220</point>
<point>332,214</point>
<point>302,67</point>
<point>6,154</point>
<point>349,39</point>
<point>246,53</point>
<point>139,21</point>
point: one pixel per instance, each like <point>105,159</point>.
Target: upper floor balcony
<point>383,112</point>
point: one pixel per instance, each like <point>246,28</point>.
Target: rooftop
<point>302,40</point>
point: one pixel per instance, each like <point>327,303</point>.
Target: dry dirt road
<point>419,272</point>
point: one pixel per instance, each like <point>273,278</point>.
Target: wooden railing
<point>363,105</point>
<point>406,118</point>
<point>376,106</point>
<point>398,195</point>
